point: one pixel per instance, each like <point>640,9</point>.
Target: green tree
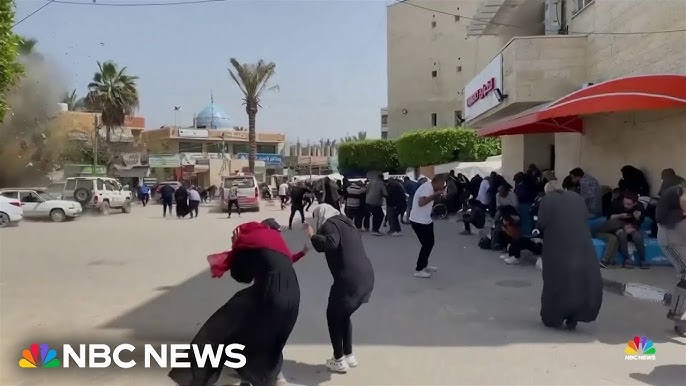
<point>253,81</point>
<point>435,147</point>
<point>358,157</point>
<point>10,68</point>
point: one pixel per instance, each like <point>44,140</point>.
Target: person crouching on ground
<point>572,285</point>
<point>260,317</point>
<point>353,279</point>
<point>475,215</point>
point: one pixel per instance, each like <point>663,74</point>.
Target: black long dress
<point>261,317</point>
<point>353,274</point>
<point>572,285</point>
<point>181,197</point>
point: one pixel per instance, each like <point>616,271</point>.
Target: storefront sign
<point>268,159</point>
<point>131,159</point>
<point>194,133</point>
<point>168,161</point>
<point>480,95</point>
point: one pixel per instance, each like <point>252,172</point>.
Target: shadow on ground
<point>662,375</point>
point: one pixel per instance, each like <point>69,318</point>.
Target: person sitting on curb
<point>631,215</point>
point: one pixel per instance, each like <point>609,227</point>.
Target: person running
<point>376,191</point>
<point>193,201</point>
<point>353,279</point>
<point>167,196</point>
<point>144,194</point>
<point>283,193</point>
<point>181,197</point>
<point>260,317</point>
<point>297,194</point>
<point>422,223</point>
<point>232,200</point>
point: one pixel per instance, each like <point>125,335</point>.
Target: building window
<point>434,119</point>
<point>240,149</point>
<point>384,120</point>
<point>457,17</point>
<point>433,24</point>
<point>384,135</point>
<point>459,68</point>
<point>434,73</point>
<point>217,148</point>
<point>267,149</point>
<point>458,118</point>
<point>190,147</point>
<point>581,4</point>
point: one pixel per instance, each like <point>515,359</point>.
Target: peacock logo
<point>639,348</point>
<point>39,356</point>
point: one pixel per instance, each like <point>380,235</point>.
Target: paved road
<point>140,278</point>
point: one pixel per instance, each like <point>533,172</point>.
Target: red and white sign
<point>480,95</point>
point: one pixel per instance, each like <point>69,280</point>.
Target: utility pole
<point>95,142</point>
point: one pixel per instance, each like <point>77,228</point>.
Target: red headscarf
<point>251,235</point>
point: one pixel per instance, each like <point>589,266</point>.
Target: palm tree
<point>27,45</point>
<point>113,94</point>
<point>361,136</point>
<point>252,80</point>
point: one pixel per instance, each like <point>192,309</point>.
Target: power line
<point>516,26</point>
<point>33,13</point>
<point>148,4</point>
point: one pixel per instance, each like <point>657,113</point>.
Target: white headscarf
<point>552,186</point>
<point>322,213</point>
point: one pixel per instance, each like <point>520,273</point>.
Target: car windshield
<point>48,195</point>
<point>242,182</point>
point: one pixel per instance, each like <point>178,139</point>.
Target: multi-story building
<point>603,86</point>
<point>212,147</point>
<point>384,123</point>
<point>429,60</point>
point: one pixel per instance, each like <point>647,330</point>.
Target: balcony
<point>496,17</point>
<point>536,70</point>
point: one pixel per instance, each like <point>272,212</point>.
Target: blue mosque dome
<point>213,117</point>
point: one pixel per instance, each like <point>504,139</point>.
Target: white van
<point>248,191</point>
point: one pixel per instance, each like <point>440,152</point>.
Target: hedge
<point>434,147</point>
<point>363,156</point>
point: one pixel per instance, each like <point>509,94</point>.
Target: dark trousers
<point>523,244</point>
<point>193,206</point>
<point>294,209</point>
<point>231,204</point>
<point>393,215</point>
<point>308,202</point>
<point>377,216</point>
<point>166,203</point>
<point>637,237</point>
<point>144,197</point>
<point>340,329</point>
<point>425,234</point>
<point>284,199</point>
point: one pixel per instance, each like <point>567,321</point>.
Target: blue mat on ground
<point>654,255</point>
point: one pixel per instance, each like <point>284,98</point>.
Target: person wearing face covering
<point>260,317</point>
<point>353,279</point>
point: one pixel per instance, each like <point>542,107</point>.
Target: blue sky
<point>330,57</point>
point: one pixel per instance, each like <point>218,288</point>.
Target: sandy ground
<point>138,278</point>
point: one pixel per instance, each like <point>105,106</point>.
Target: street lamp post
<point>176,110</point>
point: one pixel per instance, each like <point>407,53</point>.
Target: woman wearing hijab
<point>260,317</point>
<point>353,279</point>
<point>634,181</point>
<point>572,285</point>
<point>181,197</point>
<point>331,193</point>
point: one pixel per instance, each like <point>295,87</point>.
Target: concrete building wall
<point>416,47</point>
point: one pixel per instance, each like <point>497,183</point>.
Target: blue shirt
<point>145,189</point>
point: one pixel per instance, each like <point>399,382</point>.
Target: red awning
<point>643,92</point>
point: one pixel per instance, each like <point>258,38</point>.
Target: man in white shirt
<point>193,200</point>
<point>422,223</point>
<point>482,196</point>
<point>283,193</point>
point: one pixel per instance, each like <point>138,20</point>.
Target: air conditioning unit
<point>585,85</point>
<point>553,16</point>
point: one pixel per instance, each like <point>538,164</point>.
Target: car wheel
<point>82,196</point>
<point>4,220</point>
<point>105,208</point>
<point>127,206</point>
<point>57,215</point>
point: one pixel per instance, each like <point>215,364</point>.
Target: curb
<point>638,291</point>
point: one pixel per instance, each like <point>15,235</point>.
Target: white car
<point>100,193</point>
<point>39,204</point>
<point>10,211</point>
<point>247,189</point>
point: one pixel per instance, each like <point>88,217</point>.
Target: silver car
<point>37,203</point>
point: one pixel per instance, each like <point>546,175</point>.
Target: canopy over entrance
<point>643,92</point>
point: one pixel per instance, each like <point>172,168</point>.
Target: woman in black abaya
<point>260,317</point>
<point>353,279</point>
<point>181,198</point>
<point>572,285</point>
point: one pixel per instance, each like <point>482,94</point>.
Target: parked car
<point>99,193</point>
<point>248,191</point>
<point>10,211</point>
<point>40,204</point>
<point>157,197</point>
<point>56,190</point>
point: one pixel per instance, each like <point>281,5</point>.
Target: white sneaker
<point>395,234</point>
<point>377,233</point>
<point>504,256</point>
<point>430,268</point>
<point>512,260</point>
<point>337,366</point>
<point>350,359</point>
<point>422,274</point>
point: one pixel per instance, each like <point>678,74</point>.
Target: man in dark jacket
<point>167,195</point>
<point>395,206</point>
<point>630,216</point>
